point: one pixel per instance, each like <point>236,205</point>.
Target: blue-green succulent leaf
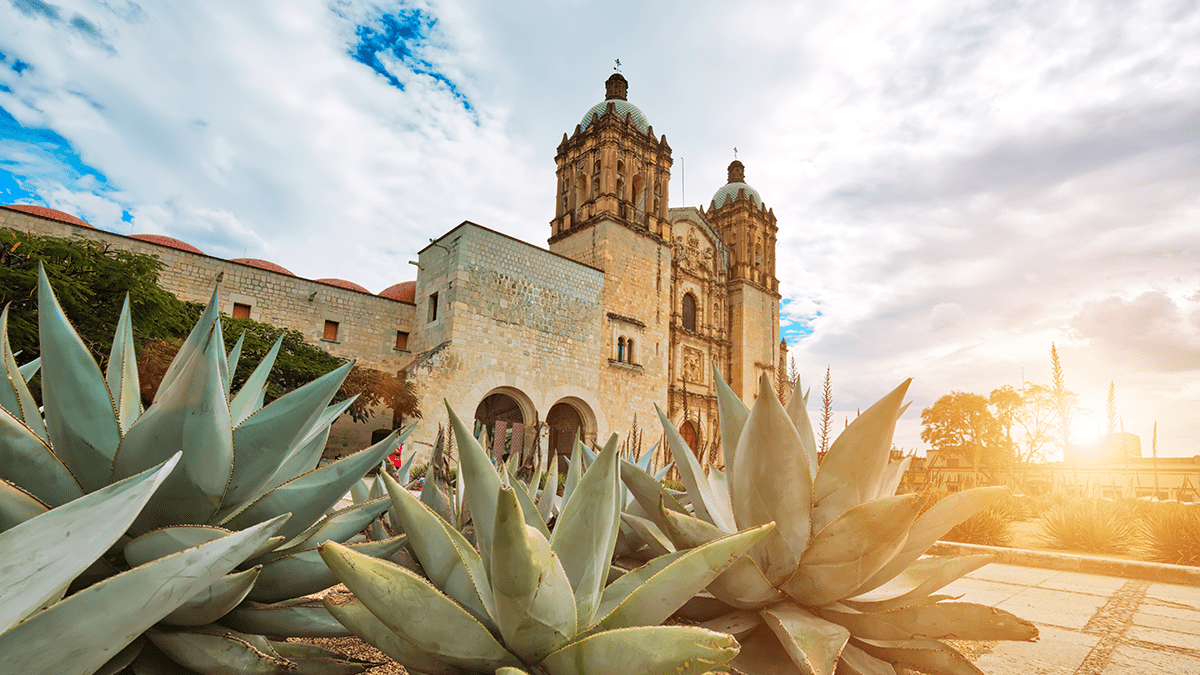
<point>250,397</point>
<point>121,374</point>
<point>191,417</point>
<point>310,496</point>
<point>43,554</point>
<point>304,572</point>
<point>300,617</point>
<point>18,506</point>
<point>193,344</point>
<point>79,414</point>
<point>215,601</point>
<point>14,389</point>
<point>28,462</point>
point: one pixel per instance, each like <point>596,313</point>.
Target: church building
<point>630,307</point>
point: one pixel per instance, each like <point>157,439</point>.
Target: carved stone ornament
<point>693,365</point>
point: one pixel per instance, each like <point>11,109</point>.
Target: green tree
<point>962,424</point>
<point>91,281</point>
<point>1031,409</point>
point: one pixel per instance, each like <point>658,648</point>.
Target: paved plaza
<point>1090,624</point>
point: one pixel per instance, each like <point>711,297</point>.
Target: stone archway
<point>505,419</point>
<point>566,418</point>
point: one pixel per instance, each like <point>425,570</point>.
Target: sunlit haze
<point>957,185</point>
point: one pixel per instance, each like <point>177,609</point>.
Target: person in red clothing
<point>395,457</point>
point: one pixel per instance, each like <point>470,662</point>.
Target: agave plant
<point>840,583</point>
<point>531,599</point>
<point>240,464</point>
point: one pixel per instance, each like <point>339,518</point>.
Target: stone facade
<point>632,306</point>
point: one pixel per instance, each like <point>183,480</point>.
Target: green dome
<point>622,108</point>
<point>730,191</point>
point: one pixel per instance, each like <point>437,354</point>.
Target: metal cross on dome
<point>735,152</point>
<point>618,66</point>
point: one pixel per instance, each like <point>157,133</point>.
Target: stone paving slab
<point>1090,624</point>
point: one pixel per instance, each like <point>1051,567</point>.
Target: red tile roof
<point>163,240</point>
<point>263,265</point>
<point>342,283</point>
<point>52,214</point>
<point>405,291</point>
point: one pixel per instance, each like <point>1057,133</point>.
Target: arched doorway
<point>563,422</point>
<point>503,424</point>
<point>690,435</point>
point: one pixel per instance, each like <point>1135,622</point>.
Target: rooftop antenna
<point>683,180</point>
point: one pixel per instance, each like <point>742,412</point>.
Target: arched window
<point>629,351</point>
<point>689,311</point>
<point>639,199</point>
<point>580,191</point>
<point>620,349</point>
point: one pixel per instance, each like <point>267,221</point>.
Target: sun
<point>1085,428</point>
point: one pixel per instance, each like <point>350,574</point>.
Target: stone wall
<point>511,318</point>
<point>367,324</point>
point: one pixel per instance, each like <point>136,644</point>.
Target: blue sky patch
<point>15,177</point>
<point>793,330</point>
<point>400,33</point>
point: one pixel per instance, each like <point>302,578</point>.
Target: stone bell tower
<point>748,229</point>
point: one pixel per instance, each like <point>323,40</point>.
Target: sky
<point>958,184</point>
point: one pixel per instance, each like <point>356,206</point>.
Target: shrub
<point>1092,525</point>
<point>989,527</point>
<point>1171,534</point>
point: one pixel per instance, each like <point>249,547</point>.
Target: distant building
<point>1111,466</point>
<point>632,305</point>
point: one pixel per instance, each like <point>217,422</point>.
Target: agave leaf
<point>215,601</point>
<point>892,477</point>
<point>451,562</point>
<point>313,660</point>
<point>938,621</point>
<point>220,651</point>
<point>164,541</point>
<point>356,617</point>
<point>306,455</point>
<point>684,530</point>
<point>191,417</point>
<point>80,418</point>
<point>193,344</point>
<point>660,595</point>
<point>130,603</point>
<point>480,482</point>
<point>304,572</point>
<point>585,533</point>
<point>736,623</point>
<point>719,483</point>
<point>744,586</point>
<point>648,492</point>
<point>27,461</point>
<point>813,643</point>
<point>509,670</point>
<point>359,492</point>
<point>416,611</point>
<point>574,468</point>
<point>231,362</point>
<point>30,369</point>
<point>43,554</point>
<point>649,534</point>
<point>18,506</point>
<point>151,661</point>
<point>528,507</point>
<point>14,389</point>
<point>122,374</point>
<point>921,578</point>
<point>772,484</point>
<point>338,526</point>
<point>931,526</point>
<point>762,654</point>
<point>249,398</point>
<point>535,605</point>
<point>798,413</point>
<point>309,497</point>
<point>927,656</point>
<point>616,592</point>
<point>858,662</point>
<point>647,650</point>
<point>851,549</point>
<point>270,433</point>
<point>663,471</point>
<point>545,502</point>
<point>704,501</point>
<point>297,618</point>
<point>854,467</point>
<point>223,366</point>
<point>404,473</point>
<point>123,658</point>
<point>732,413</point>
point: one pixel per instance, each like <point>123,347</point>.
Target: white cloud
<point>957,184</point>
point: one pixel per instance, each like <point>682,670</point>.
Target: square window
<point>331,331</point>
<point>401,340</point>
<point>241,311</point>
<point>433,307</point>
